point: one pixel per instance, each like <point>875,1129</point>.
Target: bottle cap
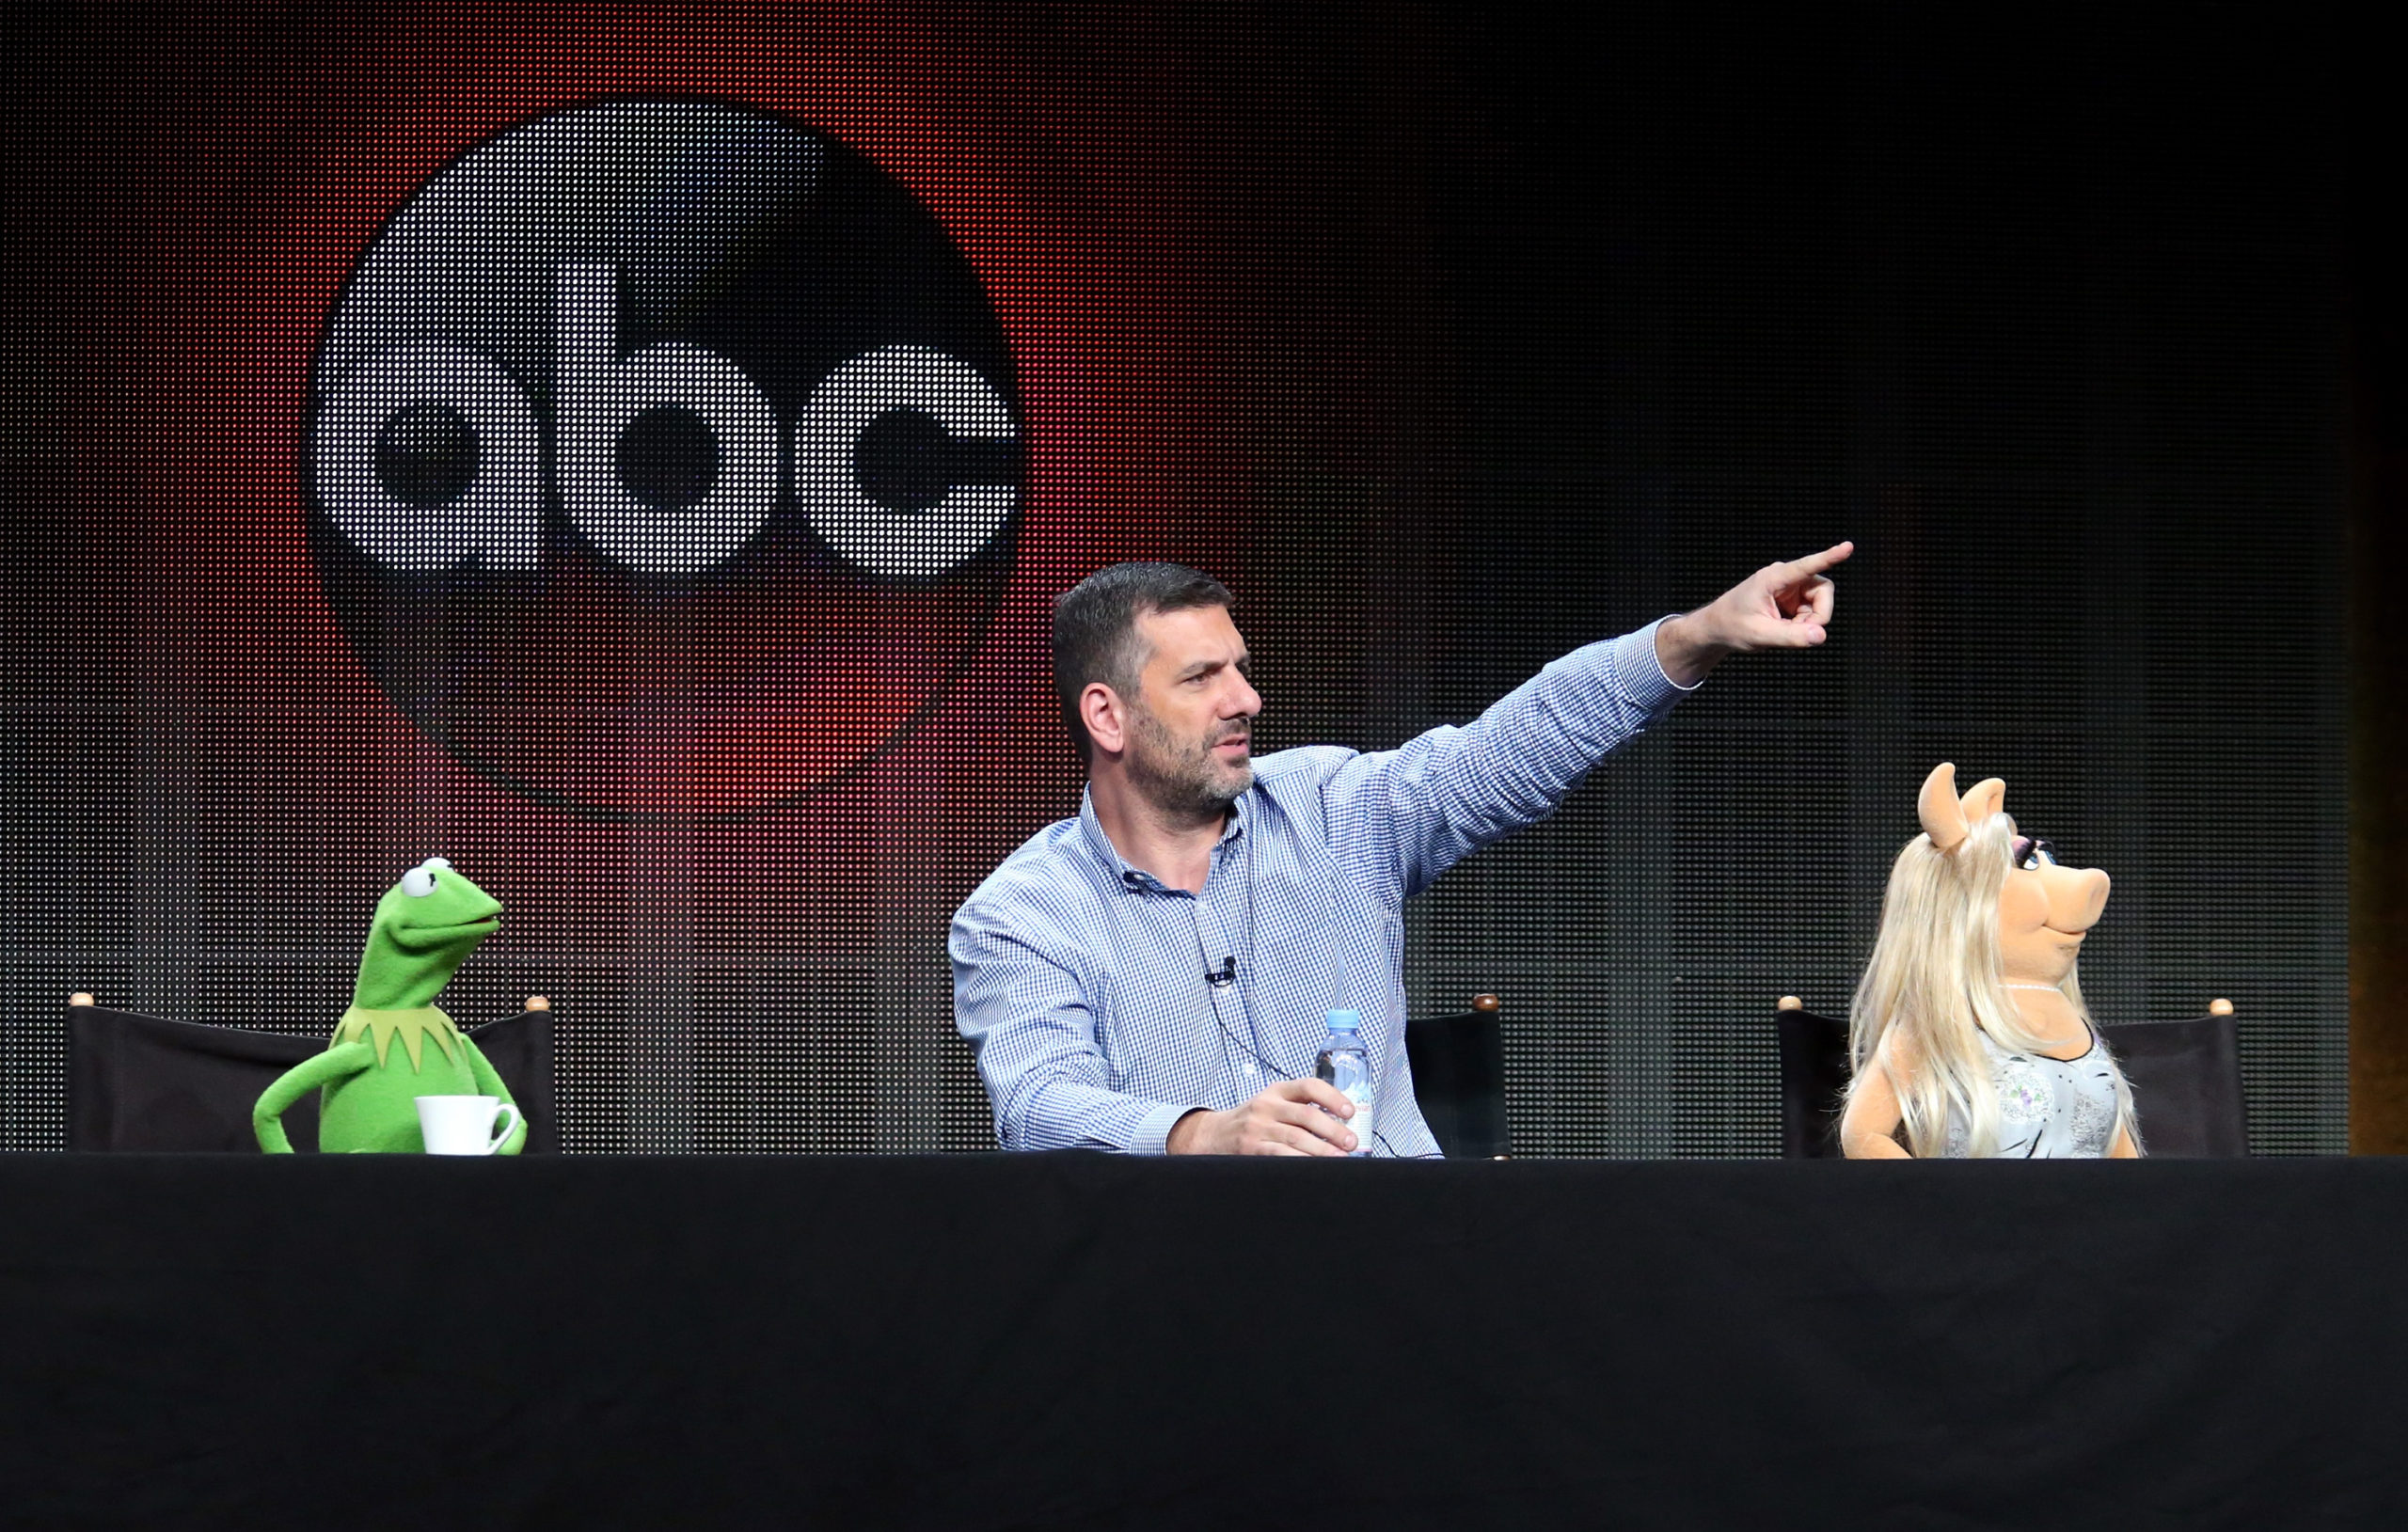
<point>1345,1020</point>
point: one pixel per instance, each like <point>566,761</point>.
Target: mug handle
<point>503,1137</point>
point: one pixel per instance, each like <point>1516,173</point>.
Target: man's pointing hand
<point>1783,605</point>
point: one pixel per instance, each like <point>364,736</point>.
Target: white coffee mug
<point>465,1123</point>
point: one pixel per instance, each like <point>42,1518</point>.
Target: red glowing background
<point>1092,233</point>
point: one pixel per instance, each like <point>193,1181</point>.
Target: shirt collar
<point>1101,845</point>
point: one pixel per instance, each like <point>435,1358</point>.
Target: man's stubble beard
<point>1183,782</point>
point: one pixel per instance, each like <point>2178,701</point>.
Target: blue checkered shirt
<point>1082,984</point>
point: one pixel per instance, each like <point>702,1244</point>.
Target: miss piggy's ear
<point>1944,818</point>
<point>1986,799</point>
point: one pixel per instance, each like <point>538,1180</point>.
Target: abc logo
<point>663,458</point>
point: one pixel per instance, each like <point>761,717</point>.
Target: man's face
<point>1191,736</point>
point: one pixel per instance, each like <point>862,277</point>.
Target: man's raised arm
<point>1403,817</point>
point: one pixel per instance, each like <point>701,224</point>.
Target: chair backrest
<point>143,1084</point>
<point>2186,1086</point>
<point>2185,1078</point>
<point>1813,1076</point>
<point>1459,1080</point>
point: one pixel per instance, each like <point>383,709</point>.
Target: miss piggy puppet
<point>1968,1037</point>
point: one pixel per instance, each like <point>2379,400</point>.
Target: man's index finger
<point>1814,564</point>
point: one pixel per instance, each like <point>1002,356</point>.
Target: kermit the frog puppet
<point>425,928</point>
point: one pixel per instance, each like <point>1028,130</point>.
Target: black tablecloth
<point>1074,1340</point>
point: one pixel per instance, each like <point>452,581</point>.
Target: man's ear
<point>1107,719</point>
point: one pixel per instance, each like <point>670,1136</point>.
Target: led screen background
<point>1450,342</point>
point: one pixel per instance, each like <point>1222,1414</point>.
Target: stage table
<point>1079,1340</point>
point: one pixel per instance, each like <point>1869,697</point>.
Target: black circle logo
<point>663,458</point>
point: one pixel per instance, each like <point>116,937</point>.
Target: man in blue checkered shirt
<point>1154,976</point>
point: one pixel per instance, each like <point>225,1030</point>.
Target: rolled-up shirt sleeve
<point>1033,1033</point>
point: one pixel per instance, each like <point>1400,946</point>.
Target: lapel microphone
<point>1226,975</point>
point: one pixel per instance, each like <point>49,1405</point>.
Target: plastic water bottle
<point>1344,1065</point>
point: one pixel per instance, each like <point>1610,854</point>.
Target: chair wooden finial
<point>1789,1003</point>
<point>80,996</point>
<point>538,1002</point>
<point>1487,1004</point>
<point>2219,1007</point>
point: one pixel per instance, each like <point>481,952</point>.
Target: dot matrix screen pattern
<point>1449,345</point>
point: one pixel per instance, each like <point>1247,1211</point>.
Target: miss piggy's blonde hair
<point>1934,984</point>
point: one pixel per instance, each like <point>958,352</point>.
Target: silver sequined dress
<point>2048,1108</point>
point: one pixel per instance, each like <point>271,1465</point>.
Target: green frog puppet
<point>425,928</point>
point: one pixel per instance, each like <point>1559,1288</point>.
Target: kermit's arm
<point>267,1118</point>
<point>489,1082</point>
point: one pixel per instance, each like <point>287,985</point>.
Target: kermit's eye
<point>418,882</point>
